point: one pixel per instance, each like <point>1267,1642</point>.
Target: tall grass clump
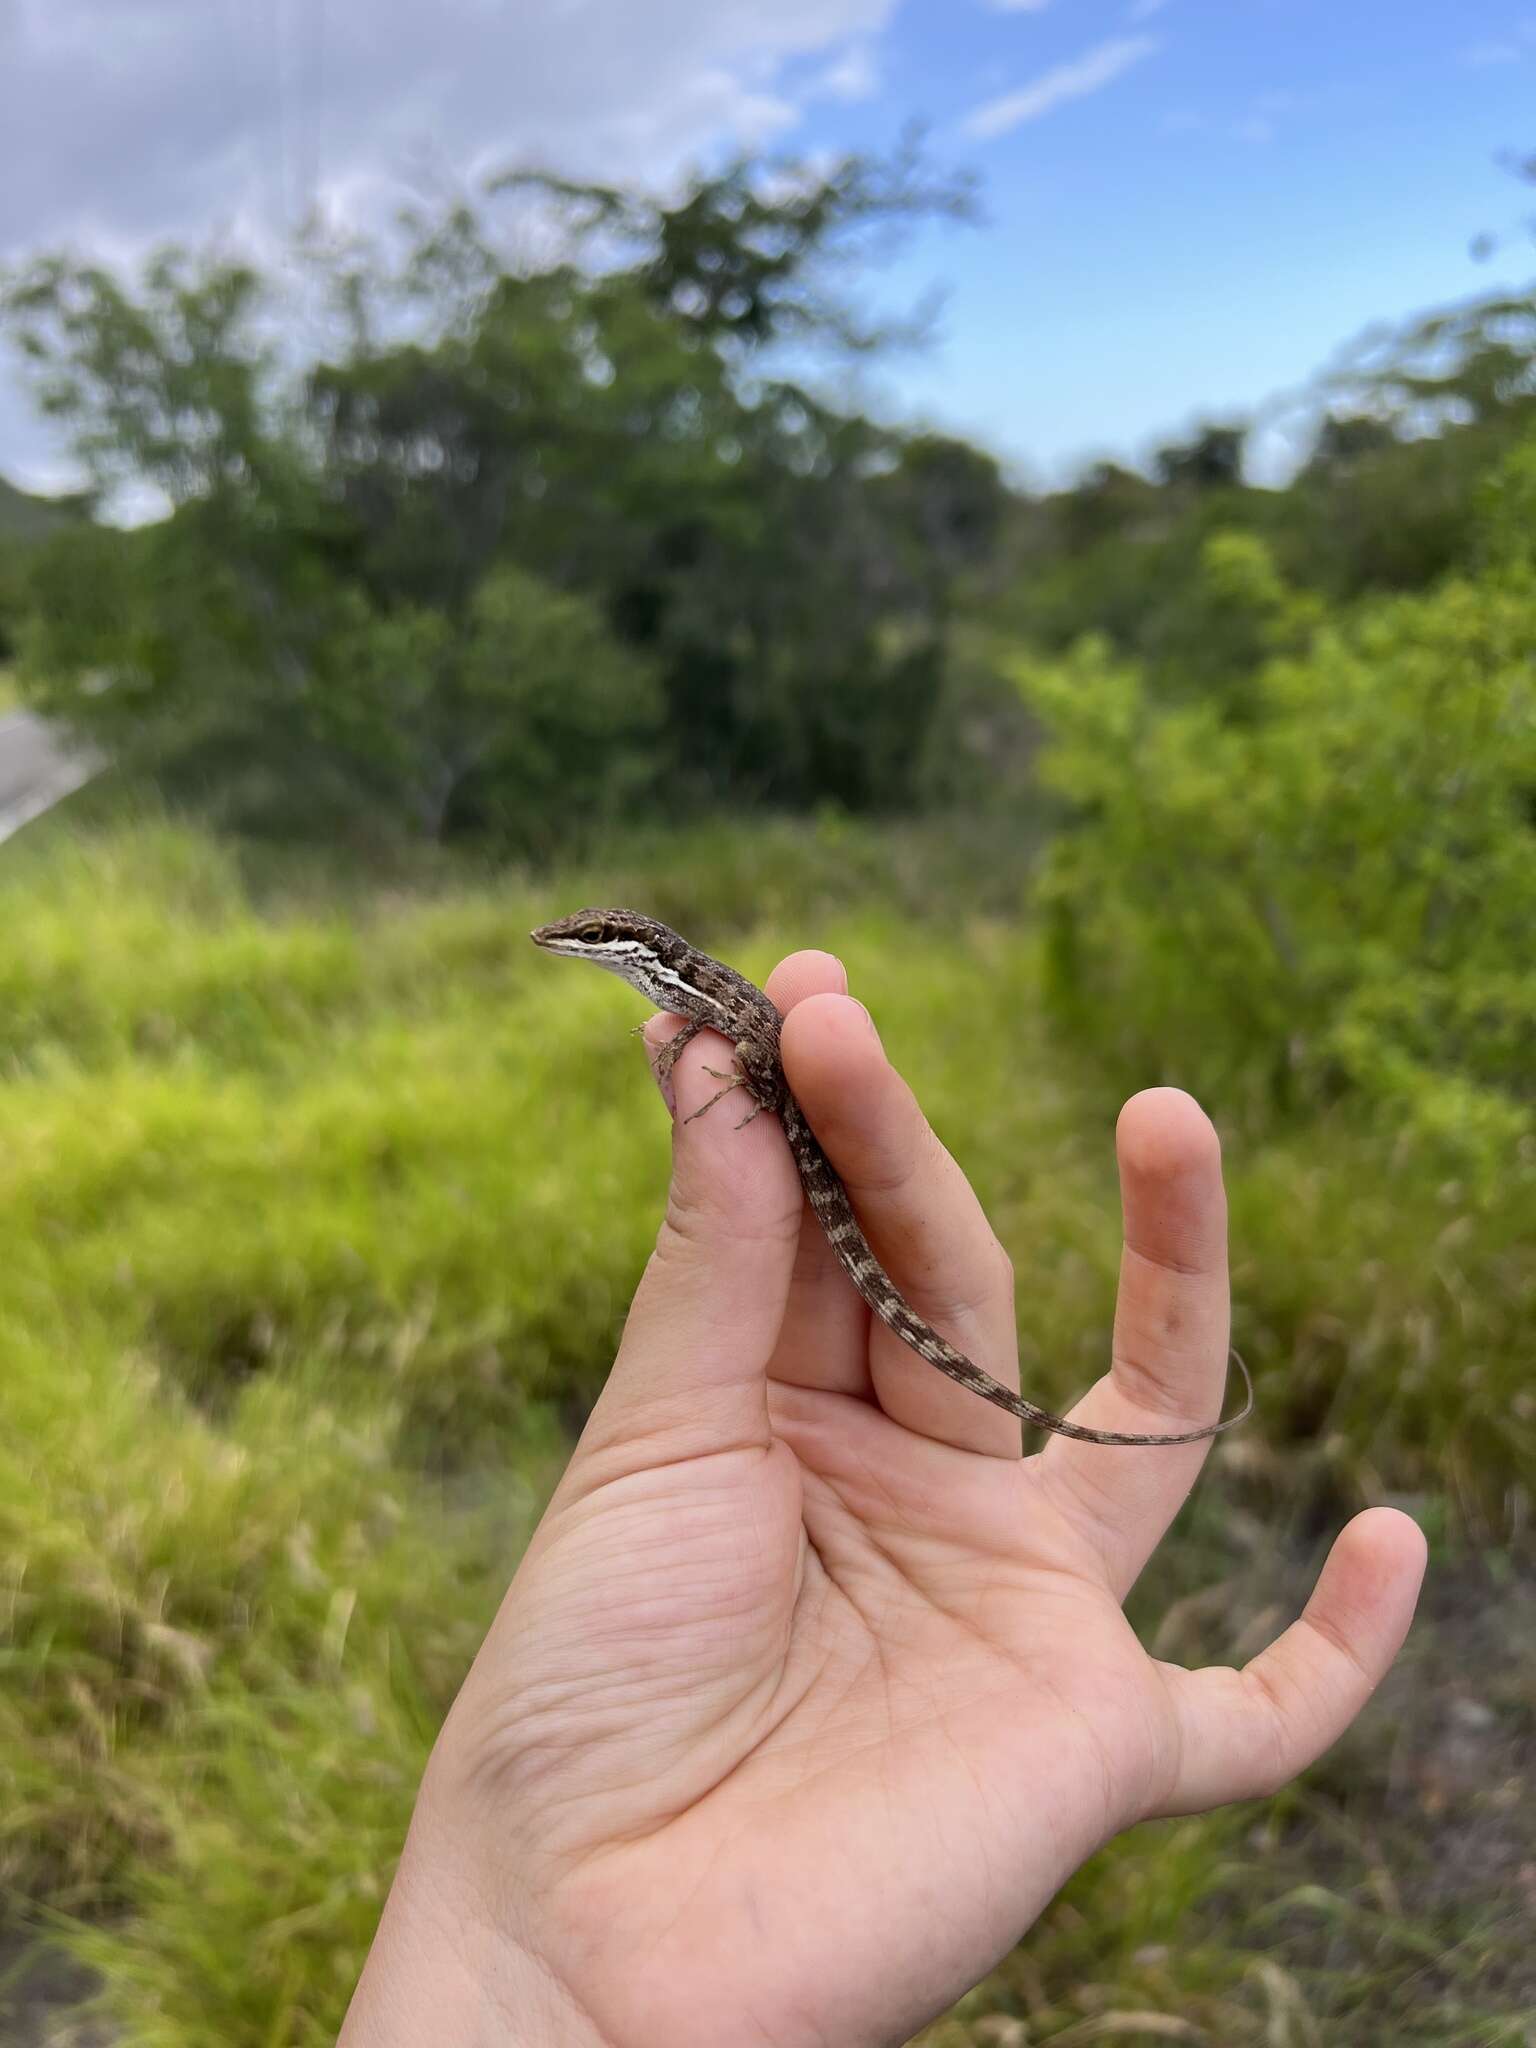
<point>322,1211</point>
<point>322,1207</point>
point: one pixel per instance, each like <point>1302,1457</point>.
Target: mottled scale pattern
<point>704,992</point>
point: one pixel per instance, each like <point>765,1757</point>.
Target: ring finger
<point>1171,1335</point>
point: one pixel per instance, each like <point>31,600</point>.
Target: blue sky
<point>1244,187</point>
<point>1190,204</point>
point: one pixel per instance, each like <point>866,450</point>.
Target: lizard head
<point>639,949</point>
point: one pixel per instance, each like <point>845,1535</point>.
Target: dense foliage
<point>25,522</point>
<point>1324,880</point>
<point>733,592</point>
<point>321,1218</point>
<point>462,542</point>
<point>322,1195</point>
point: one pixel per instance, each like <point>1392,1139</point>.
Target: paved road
<point>35,771</point>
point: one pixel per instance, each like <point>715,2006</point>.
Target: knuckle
<point>1154,1388</point>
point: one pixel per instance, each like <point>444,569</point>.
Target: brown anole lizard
<point>707,994</point>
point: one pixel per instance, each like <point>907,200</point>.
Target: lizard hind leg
<point>732,1081</point>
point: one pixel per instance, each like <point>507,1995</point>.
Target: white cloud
<point>148,118</point>
<point>1018,6</point>
<point>855,75</point>
<point>128,122</point>
<point>1087,74</point>
<point>1143,10</point>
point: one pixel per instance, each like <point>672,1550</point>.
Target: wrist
<point>438,1971</point>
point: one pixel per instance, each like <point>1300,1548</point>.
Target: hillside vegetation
<point>322,1195</point>
<point>27,517</point>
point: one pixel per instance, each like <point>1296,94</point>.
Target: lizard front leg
<point>668,1055</point>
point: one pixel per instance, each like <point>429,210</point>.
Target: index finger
<point>920,1217</point>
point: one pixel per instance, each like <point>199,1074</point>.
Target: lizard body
<point>707,994</point>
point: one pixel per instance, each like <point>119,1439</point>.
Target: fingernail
<point>874,1034</point>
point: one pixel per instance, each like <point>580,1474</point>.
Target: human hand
<point>810,1692</point>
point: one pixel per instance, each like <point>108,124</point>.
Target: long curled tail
<point>834,1212</point>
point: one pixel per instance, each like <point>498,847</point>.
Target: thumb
<point>691,1374</point>
<point>1244,1734</point>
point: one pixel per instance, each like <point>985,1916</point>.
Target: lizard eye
<point>590,934</point>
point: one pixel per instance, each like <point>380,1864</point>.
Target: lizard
<point>706,994</point>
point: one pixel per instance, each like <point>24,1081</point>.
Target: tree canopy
<point>517,545</point>
<point>597,468</point>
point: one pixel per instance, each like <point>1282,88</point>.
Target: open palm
<point>810,1692</point>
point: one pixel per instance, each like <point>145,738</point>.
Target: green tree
<point>1405,432</point>
<point>1333,896</point>
<point>313,610</point>
<point>758,254</point>
<point>1235,613</point>
<point>620,431</point>
<point>11,601</point>
<point>1212,461</point>
<point>25,523</point>
<point>160,385</point>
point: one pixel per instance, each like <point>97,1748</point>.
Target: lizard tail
<point>835,1214</point>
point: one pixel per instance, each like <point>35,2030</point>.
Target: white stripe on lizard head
<point>634,958</point>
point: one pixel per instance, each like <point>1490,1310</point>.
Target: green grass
<point>8,696</point>
<point>321,1205</point>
